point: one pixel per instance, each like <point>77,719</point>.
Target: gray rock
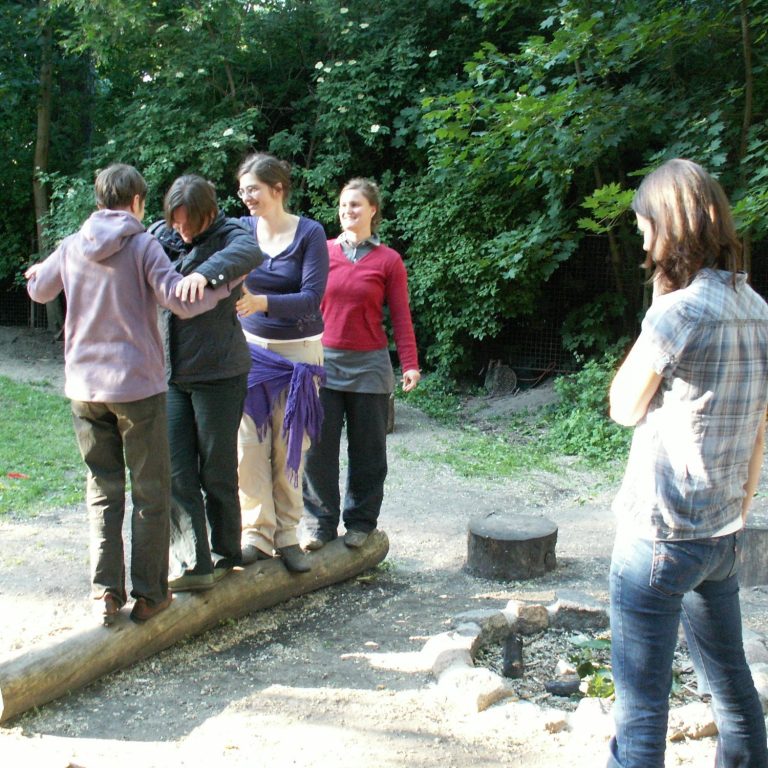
<point>755,650</point>
<point>493,623</point>
<point>471,689</point>
<point>691,721</point>
<point>500,379</point>
<point>563,686</point>
<point>449,648</point>
<point>593,716</point>
<point>526,618</point>
<point>760,678</point>
<point>577,611</point>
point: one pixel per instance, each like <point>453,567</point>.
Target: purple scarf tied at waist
<point>270,375</point>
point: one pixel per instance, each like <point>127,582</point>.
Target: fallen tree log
<point>41,674</point>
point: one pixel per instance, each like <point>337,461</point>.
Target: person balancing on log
<point>113,275</point>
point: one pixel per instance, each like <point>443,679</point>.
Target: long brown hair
<point>692,224</point>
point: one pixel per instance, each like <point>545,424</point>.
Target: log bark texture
<point>753,551</point>
<point>507,546</point>
<point>69,662</point>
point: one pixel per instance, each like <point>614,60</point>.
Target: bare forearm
<point>755,465</point>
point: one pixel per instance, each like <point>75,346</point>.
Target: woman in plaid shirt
<point>695,386</point>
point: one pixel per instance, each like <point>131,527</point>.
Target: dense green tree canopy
<point>503,132</point>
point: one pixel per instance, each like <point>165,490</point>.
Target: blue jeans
<point>655,584</point>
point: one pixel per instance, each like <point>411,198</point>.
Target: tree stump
<point>753,551</point>
<point>507,547</point>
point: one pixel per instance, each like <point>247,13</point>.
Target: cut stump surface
<point>508,547</point>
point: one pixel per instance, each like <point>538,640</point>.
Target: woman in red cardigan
<point>364,276</point>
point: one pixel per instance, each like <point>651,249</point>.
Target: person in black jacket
<point>208,362</point>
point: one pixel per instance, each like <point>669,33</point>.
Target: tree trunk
<point>746,122</point>
<point>41,674</point>
<point>53,308</point>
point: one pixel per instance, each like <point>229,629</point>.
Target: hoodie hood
<point>106,232</point>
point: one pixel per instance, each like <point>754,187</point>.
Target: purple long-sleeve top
<point>294,282</point>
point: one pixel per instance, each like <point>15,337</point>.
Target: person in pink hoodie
<point>113,275</point>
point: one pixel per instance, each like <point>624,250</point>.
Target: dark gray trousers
<point>366,420</point>
<point>203,420</point>
<point>111,437</point>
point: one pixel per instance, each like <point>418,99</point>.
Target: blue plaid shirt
<point>690,454</point>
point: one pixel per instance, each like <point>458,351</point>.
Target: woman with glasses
<point>280,315</point>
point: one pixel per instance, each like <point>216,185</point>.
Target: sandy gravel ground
<point>322,680</point>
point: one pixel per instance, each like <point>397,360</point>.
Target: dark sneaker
<point>191,582</point>
<point>316,541</point>
<point>219,572</point>
<point>355,539</point>
<point>143,610</point>
<point>252,554</point>
<point>294,558</point>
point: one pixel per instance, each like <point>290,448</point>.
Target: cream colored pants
<point>271,506</point>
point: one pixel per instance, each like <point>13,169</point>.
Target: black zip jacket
<point>210,346</point>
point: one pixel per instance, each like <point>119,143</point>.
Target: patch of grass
<point>40,465</point>
<point>436,396</point>
<point>579,425</point>
<point>472,454</point>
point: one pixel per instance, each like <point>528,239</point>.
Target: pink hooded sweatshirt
<point>114,274</point>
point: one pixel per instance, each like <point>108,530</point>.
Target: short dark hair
<point>197,195</point>
<point>369,189</point>
<point>269,170</point>
<point>117,185</point>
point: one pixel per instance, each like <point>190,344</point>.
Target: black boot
<point>294,558</point>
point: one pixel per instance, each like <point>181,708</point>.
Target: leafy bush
<point>593,665</point>
<point>436,396</point>
<point>590,329</point>
<point>579,424</point>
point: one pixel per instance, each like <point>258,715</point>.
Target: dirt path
<point>301,684</point>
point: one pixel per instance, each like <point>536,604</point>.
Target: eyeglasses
<point>247,192</point>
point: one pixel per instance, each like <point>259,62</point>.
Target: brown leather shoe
<point>143,611</point>
<point>108,608</point>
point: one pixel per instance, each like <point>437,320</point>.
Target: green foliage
<point>40,466</point>
<point>606,205</point>
<point>436,396</point>
<point>71,202</point>
<point>492,125</point>
<point>19,64</point>
<point>476,454</point>
<point>751,208</point>
<point>590,329</point>
<point>579,425</point>
<point>592,660</point>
